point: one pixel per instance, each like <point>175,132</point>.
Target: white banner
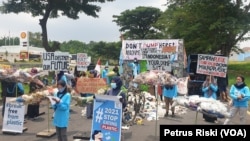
<point>212,65</point>
<point>55,61</point>
<point>83,61</point>
<point>13,116</point>
<point>140,48</point>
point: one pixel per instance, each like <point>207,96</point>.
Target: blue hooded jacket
<point>62,114</point>
<point>117,90</point>
<point>170,91</point>
<point>242,89</point>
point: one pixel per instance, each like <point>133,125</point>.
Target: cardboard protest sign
<point>83,61</point>
<point>90,85</point>
<point>107,119</point>
<point>212,65</point>
<point>55,61</point>
<point>13,117</point>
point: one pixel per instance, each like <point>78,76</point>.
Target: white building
<point>12,53</point>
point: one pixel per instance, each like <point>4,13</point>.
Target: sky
<point>84,29</point>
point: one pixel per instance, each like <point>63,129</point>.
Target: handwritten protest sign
<point>106,122</point>
<point>158,61</point>
<point>55,61</point>
<point>13,117</point>
<point>90,85</point>
<point>140,48</point>
<point>83,61</point>
<point>212,65</point>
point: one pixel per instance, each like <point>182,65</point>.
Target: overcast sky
<point>84,29</point>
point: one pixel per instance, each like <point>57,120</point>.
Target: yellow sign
<point>23,35</point>
<point>5,67</point>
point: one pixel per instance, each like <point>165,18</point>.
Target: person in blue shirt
<point>116,90</point>
<point>210,87</point>
<point>135,67</point>
<point>105,74</point>
<point>61,110</point>
<point>10,89</point>
<point>169,92</point>
<point>239,92</point>
<point>61,76</point>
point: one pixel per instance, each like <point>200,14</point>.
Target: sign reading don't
<point>90,85</point>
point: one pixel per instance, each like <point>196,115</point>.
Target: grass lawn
<point>239,68</point>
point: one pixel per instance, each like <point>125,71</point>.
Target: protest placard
<point>107,118</point>
<point>90,85</point>
<point>55,61</point>
<point>140,48</point>
<point>13,117</point>
<point>83,61</point>
<point>212,65</point>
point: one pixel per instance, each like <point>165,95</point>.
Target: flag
<point>107,64</point>
<point>120,63</point>
<point>98,67</point>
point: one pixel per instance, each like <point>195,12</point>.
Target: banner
<point>90,85</point>
<point>140,48</point>
<point>212,65</point>
<point>55,61</point>
<point>13,117</point>
<point>107,119</point>
<point>83,61</point>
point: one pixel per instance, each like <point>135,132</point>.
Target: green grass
<point>238,68</point>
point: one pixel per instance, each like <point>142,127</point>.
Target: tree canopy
<point>206,26</point>
<point>138,23</point>
<point>52,9</point>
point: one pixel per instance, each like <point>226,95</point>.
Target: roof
<point>17,49</point>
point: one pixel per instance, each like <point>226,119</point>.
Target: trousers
<point>242,113</point>
<point>61,133</point>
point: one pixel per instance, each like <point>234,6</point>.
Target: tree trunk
<point>43,24</point>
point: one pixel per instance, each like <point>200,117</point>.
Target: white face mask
<point>61,89</point>
<point>113,85</point>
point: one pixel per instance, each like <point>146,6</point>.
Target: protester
<point>209,89</point>
<point>116,70</point>
<point>61,76</point>
<point>33,108</point>
<point>116,85</point>
<point>222,86</point>
<point>10,89</point>
<point>135,67</point>
<point>61,110</point>
<point>169,92</point>
<point>105,74</point>
<point>239,92</point>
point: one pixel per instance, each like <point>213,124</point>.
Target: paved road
<point>79,124</point>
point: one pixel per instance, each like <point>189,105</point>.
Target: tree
<point>35,39</point>
<point>207,26</point>
<point>52,9</point>
<point>138,23</point>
